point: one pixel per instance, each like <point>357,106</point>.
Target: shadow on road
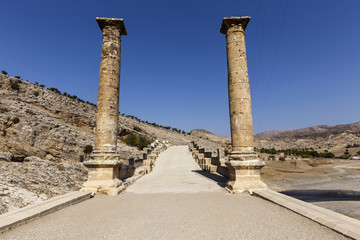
<point>219,179</point>
<point>323,195</point>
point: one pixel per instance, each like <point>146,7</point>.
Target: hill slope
<point>45,123</point>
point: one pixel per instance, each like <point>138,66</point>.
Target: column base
<point>244,173</point>
<point>103,174</point>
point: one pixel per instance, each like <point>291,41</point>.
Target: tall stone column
<point>244,165</point>
<point>104,162</point>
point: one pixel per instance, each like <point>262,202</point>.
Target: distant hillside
<point>315,131</point>
<point>272,133</point>
<point>335,139</point>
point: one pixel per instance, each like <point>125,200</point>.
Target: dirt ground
<point>329,183</point>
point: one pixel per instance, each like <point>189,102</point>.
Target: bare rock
<point>6,156</point>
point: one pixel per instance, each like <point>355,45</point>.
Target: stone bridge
<point>179,200</point>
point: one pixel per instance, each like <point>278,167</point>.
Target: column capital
<point>231,21</point>
<point>117,22</point>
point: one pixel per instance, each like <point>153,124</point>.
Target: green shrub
<point>55,90</point>
<point>15,120</point>
<point>36,94</point>
<point>88,149</point>
<point>18,77</point>
<point>42,85</point>
<point>143,142</point>
<point>132,140</point>
<point>137,129</point>
<point>327,154</point>
<point>226,152</point>
<point>14,86</point>
<point>4,72</point>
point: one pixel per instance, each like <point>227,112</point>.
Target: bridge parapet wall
<point>209,160</point>
<point>140,166</point>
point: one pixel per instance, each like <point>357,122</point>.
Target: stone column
<point>105,161</point>
<point>244,165</point>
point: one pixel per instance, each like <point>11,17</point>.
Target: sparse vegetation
<point>353,146</point>
<point>15,120</point>
<point>55,90</point>
<point>18,77</point>
<point>137,129</point>
<point>14,86</point>
<point>36,94</point>
<point>304,153</point>
<point>135,141</point>
<point>4,72</point>
<point>88,149</point>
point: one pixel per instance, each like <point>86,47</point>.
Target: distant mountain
<point>315,131</point>
<point>272,133</point>
<point>322,130</point>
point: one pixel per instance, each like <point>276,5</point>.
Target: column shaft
<point>108,98</point>
<point>239,91</point>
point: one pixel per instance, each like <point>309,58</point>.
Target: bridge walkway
<point>175,201</point>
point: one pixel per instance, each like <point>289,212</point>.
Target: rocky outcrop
<point>5,156</point>
<point>36,179</point>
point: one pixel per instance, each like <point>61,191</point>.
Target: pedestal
<point>244,172</point>
<point>103,173</point>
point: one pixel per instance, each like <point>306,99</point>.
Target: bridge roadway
<point>176,201</point>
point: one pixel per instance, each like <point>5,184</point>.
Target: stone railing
<point>140,166</point>
<point>209,160</point>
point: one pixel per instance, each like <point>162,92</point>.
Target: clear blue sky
<point>303,57</point>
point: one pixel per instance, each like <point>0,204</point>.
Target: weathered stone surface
<point>109,83</point>
<point>6,156</point>
<point>244,165</point>
<point>24,183</point>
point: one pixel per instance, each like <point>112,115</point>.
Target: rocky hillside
<point>316,131</point>
<point>331,138</point>
<point>35,121</point>
<point>35,179</point>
